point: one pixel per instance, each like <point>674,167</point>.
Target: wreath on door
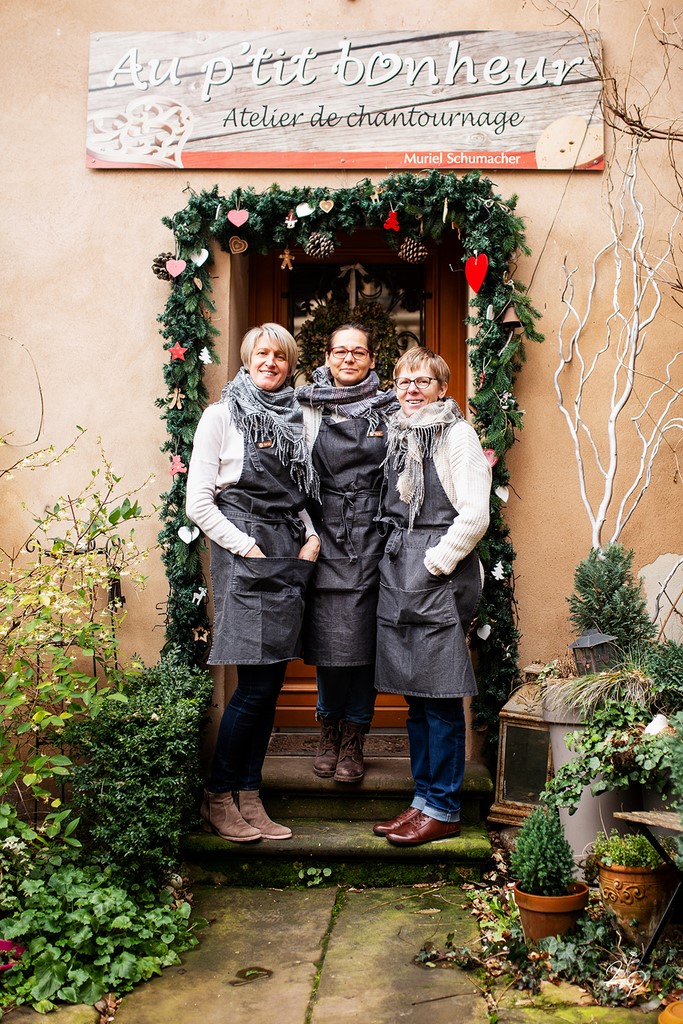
<point>412,209</point>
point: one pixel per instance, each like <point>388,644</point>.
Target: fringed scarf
<point>272,415</point>
<point>412,439</point>
<point>356,401</point>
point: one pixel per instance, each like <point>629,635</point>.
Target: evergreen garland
<point>430,203</point>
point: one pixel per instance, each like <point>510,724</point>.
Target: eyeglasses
<point>421,383</point>
<point>341,353</point>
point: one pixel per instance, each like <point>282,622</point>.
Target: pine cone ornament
<point>159,266</point>
<point>319,246</point>
<point>413,251</point>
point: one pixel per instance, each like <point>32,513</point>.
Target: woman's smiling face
<point>414,398</point>
<point>268,366</point>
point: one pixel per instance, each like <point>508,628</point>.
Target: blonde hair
<point>415,358</point>
<point>276,335</point>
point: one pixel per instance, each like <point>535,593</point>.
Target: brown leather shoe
<point>423,829</point>
<point>326,758</point>
<point>350,766</point>
<point>391,826</point>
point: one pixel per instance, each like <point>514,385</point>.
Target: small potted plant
<point>549,898</point>
<point>635,884</point>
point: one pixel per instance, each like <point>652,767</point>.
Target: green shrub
<point>628,851</point>
<point>542,860</point>
<point>138,772</point>
<point>608,597</point>
<point>664,664</point>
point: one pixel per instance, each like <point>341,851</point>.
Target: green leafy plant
<point>608,598</point>
<point>60,609</point>
<point>137,770</point>
<point>542,860</point>
<point>314,875</point>
<point>85,936</point>
<point>631,850</point>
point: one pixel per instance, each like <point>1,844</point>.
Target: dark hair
<point>353,326</point>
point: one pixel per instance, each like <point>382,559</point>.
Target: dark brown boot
<point>350,766</point>
<point>328,748</point>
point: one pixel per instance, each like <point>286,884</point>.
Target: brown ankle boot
<point>253,811</point>
<point>220,815</point>
<point>328,748</point>
<point>350,766</point>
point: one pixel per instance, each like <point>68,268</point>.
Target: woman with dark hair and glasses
<point>345,418</point>
<point>435,507</point>
<point>247,484</point>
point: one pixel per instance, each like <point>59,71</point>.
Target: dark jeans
<point>347,693</point>
<point>245,728</point>
<point>436,732</point>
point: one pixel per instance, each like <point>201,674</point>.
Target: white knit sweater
<point>216,463</point>
<point>465,475</point>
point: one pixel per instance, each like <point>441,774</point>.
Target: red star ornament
<point>177,466</point>
<point>178,352</point>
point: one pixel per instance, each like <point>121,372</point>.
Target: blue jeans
<point>245,728</point>
<point>436,733</point>
<point>348,693</point>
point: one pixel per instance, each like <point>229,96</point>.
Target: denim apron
<point>422,619</point>
<point>259,602</point>
<point>340,621</point>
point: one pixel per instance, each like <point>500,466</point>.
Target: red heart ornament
<point>475,270</point>
<point>175,267</point>
<point>238,217</point>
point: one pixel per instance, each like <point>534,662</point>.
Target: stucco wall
<point>79,334</point>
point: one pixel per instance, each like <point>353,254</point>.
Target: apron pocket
<point>415,607</point>
<point>267,602</point>
<point>270,575</point>
<point>339,574</point>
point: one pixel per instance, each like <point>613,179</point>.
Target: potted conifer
<point>549,899</point>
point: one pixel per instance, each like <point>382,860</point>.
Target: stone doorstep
<point>348,848</point>
<point>290,789</point>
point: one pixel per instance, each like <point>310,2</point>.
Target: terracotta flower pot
<point>14,953</point>
<point>672,1014</point>
<point>550,915</point>
<point>637,897</point>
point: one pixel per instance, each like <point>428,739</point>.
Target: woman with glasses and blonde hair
<point>435,507</point>
<point>345,417</point>
<point>248,480</point>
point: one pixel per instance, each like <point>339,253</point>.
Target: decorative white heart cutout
<point>198,258</point>
<point>187,535</point>
<point>484,632</point>
<point>304,210</point>
<point>502,492</point>
<point>489,313</point>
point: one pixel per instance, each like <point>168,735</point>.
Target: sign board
<point>392,100</point>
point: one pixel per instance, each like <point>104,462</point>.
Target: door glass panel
<point>398,288</point>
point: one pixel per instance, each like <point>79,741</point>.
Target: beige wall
<point>80,301</point>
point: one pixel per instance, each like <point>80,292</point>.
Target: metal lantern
<point>593,652</point>
<point>524,756</point>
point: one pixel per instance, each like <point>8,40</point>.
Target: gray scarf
<point>358,400</point>
<point>272,415</point>
<point>412,439</point>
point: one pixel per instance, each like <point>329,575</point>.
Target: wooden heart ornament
<point>475,270</point>
<point>237,244</point>
<point>175,267</point>
<point>326,205</point>
<point>238,217</point>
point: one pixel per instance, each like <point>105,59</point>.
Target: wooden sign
<point>392,100</point>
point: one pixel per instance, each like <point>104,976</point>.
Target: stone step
<point>325,851</point>
<point>291,790</point>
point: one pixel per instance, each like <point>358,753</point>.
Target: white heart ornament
<point>198,258</point>
<point>484,632</point>
<point>304,210</point>
<point>187,535</point>
<point>503,493</point>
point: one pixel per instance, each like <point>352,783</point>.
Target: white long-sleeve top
<point>465,474</point>
<point>216,463</point>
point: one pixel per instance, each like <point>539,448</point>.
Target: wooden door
<point>436,293</point>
